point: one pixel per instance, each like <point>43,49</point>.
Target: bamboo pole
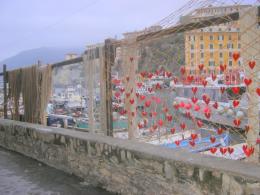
<point>250,33</point>
<point>109,59</point>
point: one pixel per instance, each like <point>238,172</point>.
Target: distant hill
<point>44,54</point>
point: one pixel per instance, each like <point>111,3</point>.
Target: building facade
<point>213,46</point>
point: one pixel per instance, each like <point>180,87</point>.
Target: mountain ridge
<point>46,55</point>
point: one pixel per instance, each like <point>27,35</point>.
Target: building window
<point>192,47</point>
<point>201,37</point>
<point>210,30</point>
<point>239,37</point>
<point>221,37</point>
<point>189,38</point>
<point>239,45</point>
<point>239,63</point>
<point>202,55</point>
<point>192,55</point>
<point>221,55</point>
<point>220,46</point>
<point>211,54</point>
<point>211,46</point>
<point>201,46</point>
<point>229,37</point>
<point>230,54</point>
<point>230,63</point>
<point>211,37</point>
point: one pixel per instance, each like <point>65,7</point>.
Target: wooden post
<point>109,59</point>
<point>88,69</point>
<point>130,64</point>
<point>5,90</point>
<point>250,33</point>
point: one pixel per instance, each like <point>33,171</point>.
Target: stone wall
<point>129,167</point>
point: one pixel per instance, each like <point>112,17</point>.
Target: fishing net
<point>30,88</point>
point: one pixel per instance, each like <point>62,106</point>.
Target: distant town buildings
<point>214,45</point>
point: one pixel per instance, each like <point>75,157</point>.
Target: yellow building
<point>215,45</point>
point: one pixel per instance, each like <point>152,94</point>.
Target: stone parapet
<point>129,167</point>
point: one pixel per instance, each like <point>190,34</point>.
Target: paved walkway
<point>20,175</point>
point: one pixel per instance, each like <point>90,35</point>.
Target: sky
<point>28,24</point>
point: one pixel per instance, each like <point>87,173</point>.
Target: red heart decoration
<point>247,81</point>
<point>194,90</point>
<point>158,86</point>
<point>212,139</point>
<point>236,56</point>
<point>140,126</point>
<point>175,80</point>
<point>154,114</point>
<point>177,142</point>
<point>199,123</point>
<point>258,91</point>
<point>213,76</point>
<point>190,78</point>
<point>117,94</point>
<point>204,83</point>
<point>258,141</point>
<point>144,113</point>
<point>155,127</point>
<point>182,125</point>
<point>194,100</point>
<point>248,150</point>
<point>194,136</point>
<point>150,75</point>
<point>182,70</point>
<point>223,67</point>
<point>235,90</point>
<point>122,90</point>
<point>220,131</point>
<point>172,130</point>
<point>142,97</point>
<point>137,95</point>
<point>168,74</point>
<point>188,106</point>
<point>215,105</point>
<point>223,150</point>
<point>207,115</point>
<point>251,64</point>
<point>139,85</point>
<point>169,118</point>
<point>131,101</point>
<point>213,150</point>
<point>192,143</point>
<point>148,103</point>
<point>188,115</point>
<point>143,74</point>
<point>230,150</point>
<point>182,104</point>
<point>201,66</point>
<point>235,103</point>
<point>237,122</point>
<point>222,89</point>
<point>176,107</point>
<point>123,112</point>
<point>196,107</point>
<point>206,99</point>
<point>160,122</point>
<point>150,90</point>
